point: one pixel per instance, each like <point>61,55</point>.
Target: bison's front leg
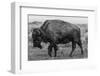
<point>55,50</point>
<point>50,47</point>
<point>50,50</point>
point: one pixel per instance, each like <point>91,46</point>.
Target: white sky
<point>76,20</point>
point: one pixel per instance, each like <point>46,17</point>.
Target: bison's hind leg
<point>73,48</point>
<point>80,45</point>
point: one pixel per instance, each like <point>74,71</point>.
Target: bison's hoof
<point>70,55</point>
<point>82,53</point>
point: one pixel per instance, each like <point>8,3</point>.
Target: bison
<point>57,32</point>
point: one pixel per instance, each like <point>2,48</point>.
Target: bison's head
<point>36,36</point>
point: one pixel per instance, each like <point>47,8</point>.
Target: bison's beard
<point>37,44</point>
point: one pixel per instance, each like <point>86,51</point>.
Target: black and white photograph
<point>53,37</point>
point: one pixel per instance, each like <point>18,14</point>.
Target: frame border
<point>16,67</point>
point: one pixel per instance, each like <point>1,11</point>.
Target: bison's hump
<point>58,28</point>
<point>57,25</point>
